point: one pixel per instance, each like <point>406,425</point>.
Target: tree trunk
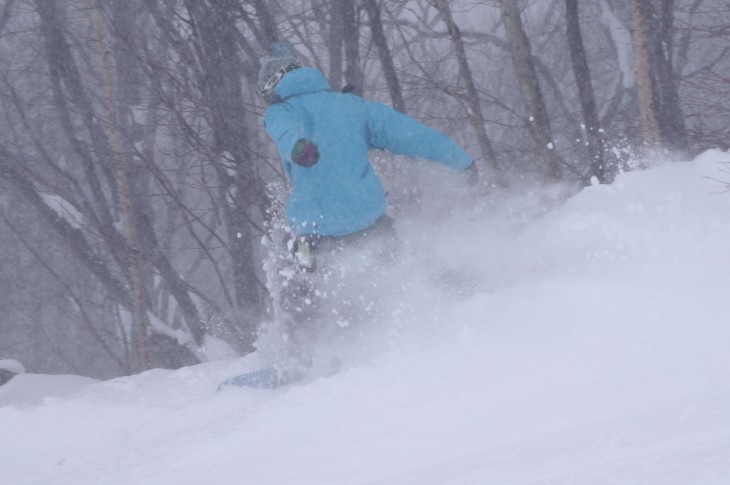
<point>243,195</point>
<point>538,119</point>
<point>354,77</point>
<point>67,88</point>
<point>6,14</point>
<point>474,111</point>
<point>646,89</point>
<point>671,119</point>
<point>121,164</point>
<point>652,38</point>
<point>391,77</point>
<point>598,164</point>
<point>335,42</point>
<point>267,22</point>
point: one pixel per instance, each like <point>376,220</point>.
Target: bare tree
<point>5,16</point>
<point>598,166</point>
<point>475,113</point>
<point>662,120</point>
<point>381,43</point>
<point>537,116</point>
<point>135,176</point>
<point>224,102</point>
<point>129,213</point>
<point>335,42</point>
<point>354,75</point>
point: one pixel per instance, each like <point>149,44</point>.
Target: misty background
<point>137,183</point>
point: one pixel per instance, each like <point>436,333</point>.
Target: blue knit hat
<point>283,59</point>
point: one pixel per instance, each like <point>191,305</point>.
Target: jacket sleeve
<point>400,134</point>
<point>285,128</point>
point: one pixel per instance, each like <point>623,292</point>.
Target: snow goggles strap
<point>267,91</point>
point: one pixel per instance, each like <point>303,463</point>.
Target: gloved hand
<point>305,153</point>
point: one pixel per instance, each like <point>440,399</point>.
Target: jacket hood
<point>305,80</point>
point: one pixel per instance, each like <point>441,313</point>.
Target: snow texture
<point>36,389</point>
<point>12,365</point>
<point>587,344</point>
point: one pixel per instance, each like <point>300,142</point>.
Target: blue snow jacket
<point>341,194</point>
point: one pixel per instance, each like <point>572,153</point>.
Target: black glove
<point>305,153</point>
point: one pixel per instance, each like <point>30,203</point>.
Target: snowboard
<point>268,378</point>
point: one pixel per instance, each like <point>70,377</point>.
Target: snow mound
<point>586,345</point>
<point>12,365</point>
<point>36,389</point>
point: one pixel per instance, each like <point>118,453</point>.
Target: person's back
<point>340,193</point>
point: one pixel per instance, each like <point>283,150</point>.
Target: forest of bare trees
<point>136,180</point>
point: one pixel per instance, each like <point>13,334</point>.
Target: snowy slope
<point>34,389</point>
<point>588,346</point>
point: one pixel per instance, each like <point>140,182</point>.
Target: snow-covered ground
<point>590,345</point>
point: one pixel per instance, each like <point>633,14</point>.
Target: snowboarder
<point>335,198</point>
<point>323,138</point>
